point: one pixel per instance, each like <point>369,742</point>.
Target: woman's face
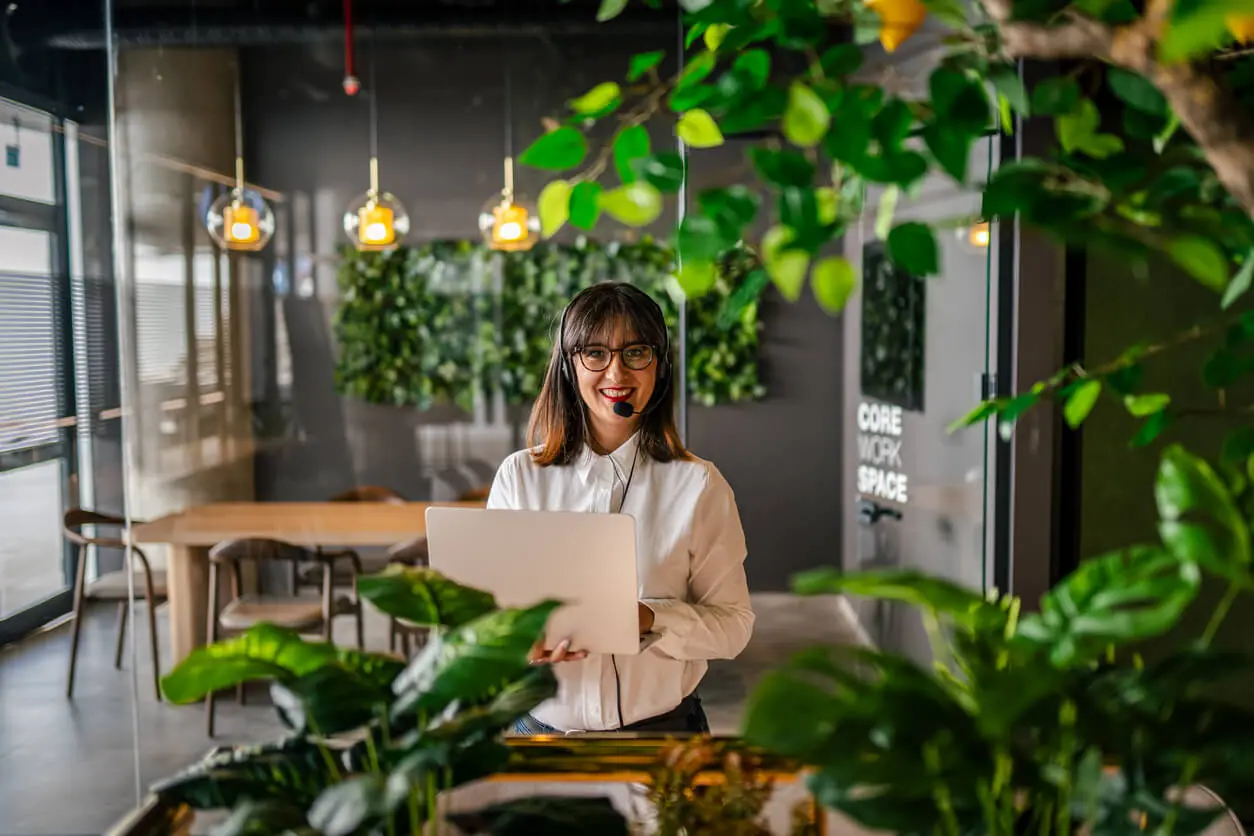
<point>617,381</point>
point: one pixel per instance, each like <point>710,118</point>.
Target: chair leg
<point>239,693</point>
<point>151,598</point>
<point>405,645</point>
<point>212,636</point>
<point>123,610</point>
<point>361,626</point>
<point>209,714</point>
<point>391,635</point>
<point>79,583</point>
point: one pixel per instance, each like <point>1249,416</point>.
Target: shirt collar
<point>591,464</point>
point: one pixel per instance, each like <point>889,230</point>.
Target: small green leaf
<point>630,145</point>
<point>787,268</point>
<point>1077,129</point>
<point>714,35</point>
<point>585,205</point>
<point>806,118</point>
<point>1081,402</point>
<point>1005,79</point>
<point>699,130</point>
<point>610,9</point>
<point>556,151</point>
<point>1198,27</point>
<point>636,204</point>
<point>1055,96</point>
<point>951,12</point>
<point>841,60</point>
<point>597,99</point>
<point>1202,258</point>
<point>786,167</point>
<point>1240,282</point>
<point>828,204</point>
<point>833,280</point>
<point>959,100</point>
<point>1154,426</point>
<point>643,62</point>
<point>1142,406</point>
<point>951,148</point>
<point>754,66</point>
<point>731,208</point>
<point>1137,91</point>
<point>554,207</point>
<point>665,171</point>
<point>912,246</point>
<point>699,239</point>
<point>697,277</point>
<point>884,214</point>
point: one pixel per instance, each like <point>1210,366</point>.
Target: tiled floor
<point>71,767</point>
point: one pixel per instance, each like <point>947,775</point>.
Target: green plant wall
<point>430,324</point>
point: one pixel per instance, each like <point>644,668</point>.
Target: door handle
<point>870,512</point>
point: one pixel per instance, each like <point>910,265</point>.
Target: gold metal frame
<point>588,758</point>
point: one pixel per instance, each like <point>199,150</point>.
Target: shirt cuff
<point>671,621</point>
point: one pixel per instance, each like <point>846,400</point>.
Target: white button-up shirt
<point>690,552</point>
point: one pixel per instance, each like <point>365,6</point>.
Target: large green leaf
<point>912,246</point>
<point>636,204</point>
<point>960,100</point>
<point>698,129</point>
<point>630,144</point>
<point>1199,518</point>
<point>294,769</point>
<point>556,150</point>
<point>1137,91</point>
<point>598,99</point>
<point>352,804</point>
<point>745,294</point>
<point>551,815</point>
<point>1125,596</point>
<point>264,652</point>
<point>585,204</point>
<point>554,207</point>
<point>506,706</point>
<point>833,280</point>
<point>423,596</point>
<point>472,661</point>
<point>806,118</point>
<point>330,700</point>
<point>907,586</point>
<point>786,266</point>
<point>665,171</point>
<point>264,818</point>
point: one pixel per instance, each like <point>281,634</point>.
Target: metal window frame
<point>52,219</point>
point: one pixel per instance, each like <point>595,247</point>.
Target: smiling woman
<point>603,424</point>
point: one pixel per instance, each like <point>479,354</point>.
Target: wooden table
<point>190,534</point>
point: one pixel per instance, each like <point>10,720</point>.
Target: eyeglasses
<point>597,358</point>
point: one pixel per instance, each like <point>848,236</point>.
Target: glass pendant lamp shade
<point>508,221</point>
<point>240,220</point>
<point>376,221</point>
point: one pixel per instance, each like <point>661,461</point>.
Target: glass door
<point>922,354</point>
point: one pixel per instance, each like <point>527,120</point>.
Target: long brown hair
<point>559,426</point>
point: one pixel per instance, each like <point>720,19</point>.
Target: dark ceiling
<point>79,24</point>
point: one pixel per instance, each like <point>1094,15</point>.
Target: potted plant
<point>1046,722</point>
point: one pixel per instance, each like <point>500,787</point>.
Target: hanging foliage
<point>419,326</point>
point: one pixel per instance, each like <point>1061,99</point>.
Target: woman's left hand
<point>646,618</point>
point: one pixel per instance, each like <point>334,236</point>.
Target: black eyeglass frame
<point>620,351</point>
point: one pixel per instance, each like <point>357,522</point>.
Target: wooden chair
<point>347,564</point>
<point>304,614</point>
<point>412,553</point>
<point>112,586</point>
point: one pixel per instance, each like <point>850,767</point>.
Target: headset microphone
<point>623,409</point>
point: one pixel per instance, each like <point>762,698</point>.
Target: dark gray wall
<point>441,141</point>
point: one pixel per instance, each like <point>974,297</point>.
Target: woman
<point>604,436</point>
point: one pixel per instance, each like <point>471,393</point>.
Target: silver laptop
<point>588,561</point>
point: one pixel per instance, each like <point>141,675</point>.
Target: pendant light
<point>508,221</point>
<point>375,221</point>
<point>240,219</point>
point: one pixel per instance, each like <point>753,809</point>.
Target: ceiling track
<point>275,35</point>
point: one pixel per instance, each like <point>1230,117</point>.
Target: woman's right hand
<point>540,655</point>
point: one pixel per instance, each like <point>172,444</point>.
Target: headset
<point>664,351</point>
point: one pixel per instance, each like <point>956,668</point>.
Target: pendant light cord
<point>239,131</point>
<point>374,106</point>
<point>509,133</point>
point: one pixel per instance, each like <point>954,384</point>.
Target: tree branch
<point>1210,114</point>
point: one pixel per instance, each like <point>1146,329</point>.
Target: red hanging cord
<point>351,83</point>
